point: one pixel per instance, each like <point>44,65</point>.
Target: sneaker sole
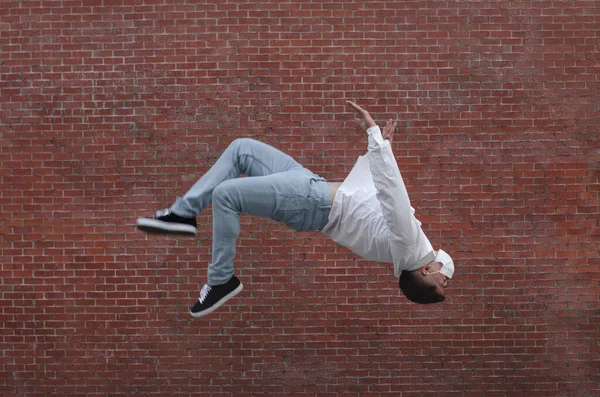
<point>219,303</point>
<point>155,226</point>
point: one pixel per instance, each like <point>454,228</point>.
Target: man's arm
<point>391,191</point>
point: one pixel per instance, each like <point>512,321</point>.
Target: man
<point>369,212</point>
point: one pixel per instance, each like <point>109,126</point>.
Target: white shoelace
<point>160,213</point>
<point>204,292</point>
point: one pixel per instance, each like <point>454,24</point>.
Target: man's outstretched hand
<point>365,121</point>
<point>364,118</point>
<point>389,129</point>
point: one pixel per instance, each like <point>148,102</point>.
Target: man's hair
<point>418,290</point>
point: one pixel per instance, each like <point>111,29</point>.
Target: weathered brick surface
<point>110,108</point>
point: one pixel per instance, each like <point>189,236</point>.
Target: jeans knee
<point>241,142</point>
<point>221,195</point>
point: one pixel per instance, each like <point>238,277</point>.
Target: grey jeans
<point>276,187</point>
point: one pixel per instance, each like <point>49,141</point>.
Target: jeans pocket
<point>295,219</point>
<point>323,218</point>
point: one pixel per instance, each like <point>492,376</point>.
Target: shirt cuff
<point>375,137</point>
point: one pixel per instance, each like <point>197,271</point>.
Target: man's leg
<point>285,197</point>
<point>243,156</point>
<point>297,198</point>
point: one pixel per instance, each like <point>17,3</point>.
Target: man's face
<point>431,273</point>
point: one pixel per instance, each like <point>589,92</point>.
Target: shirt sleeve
<point>391,191</point>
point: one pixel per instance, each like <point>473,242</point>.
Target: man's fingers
<point>391,125</point>
<point>356,107</point>
<point>389,129</point>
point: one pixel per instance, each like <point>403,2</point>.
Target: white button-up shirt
<point>371,212</point>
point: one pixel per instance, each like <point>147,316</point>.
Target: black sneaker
<point>167,222</point>
<point>213,297</point>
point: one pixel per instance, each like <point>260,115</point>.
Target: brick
<point>109,109</point>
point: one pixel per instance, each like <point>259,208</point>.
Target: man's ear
<point>425,269</point>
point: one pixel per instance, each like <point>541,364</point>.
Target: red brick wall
<point>110,108</point>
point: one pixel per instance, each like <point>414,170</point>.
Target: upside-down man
<point>369,213</point>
